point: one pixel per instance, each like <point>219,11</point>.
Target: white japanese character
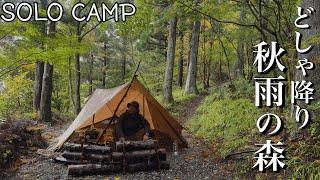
<point>301,91</point>
<point>265,160</point>
<point>268,118</point>
<point>306,116</point>
<point>301,17</point>
<point>305,64</point>
<point>269,91</point>
<point>265,59</point>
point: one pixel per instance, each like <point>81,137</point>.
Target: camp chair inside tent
<point>101,106</point>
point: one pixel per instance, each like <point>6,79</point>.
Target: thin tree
<point>167,88</point>
<point>180,63</point>
<point>124,57</point>
<point>39,66</point>
<point>105,60</point>
<point>191,81</point>
<point>47,84</point>
<point>239,66</point>
<point>38,85</point>
<point>90,71</point>
<point>81,33</point>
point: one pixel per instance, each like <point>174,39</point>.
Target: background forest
<point>187,49</point>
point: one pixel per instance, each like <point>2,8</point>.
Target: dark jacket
<point>132,123</point>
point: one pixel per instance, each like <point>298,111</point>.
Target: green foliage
<point>243,89</point>
<point>304,162</point>
<point>180,99</point>
<point>228,122</point>
<point>15,98</point>
<point>307,171</point>
<point>315,124</point>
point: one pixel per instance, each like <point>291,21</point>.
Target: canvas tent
<point>103,102</point>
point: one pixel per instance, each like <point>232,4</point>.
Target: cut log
<point>72,155</point>
<point>135,145</point>
<point>86,156</point>
<point>131,157</point>
<point>73,147</point>
<point>96,169</point>
<point>93,169</point>
<point>139,155</point>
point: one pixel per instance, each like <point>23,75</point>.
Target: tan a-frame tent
<point>103,103</point>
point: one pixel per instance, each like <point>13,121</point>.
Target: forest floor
<point>194,162</point>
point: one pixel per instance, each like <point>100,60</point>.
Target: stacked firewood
<point>128,156</point>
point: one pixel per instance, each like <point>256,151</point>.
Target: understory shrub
<point>230,123</point>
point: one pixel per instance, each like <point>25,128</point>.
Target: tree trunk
<point>38,85</point>
<point>77,107</point>
<point>70,82</point>
<point>47,83</point>
<point>248,58</point>
<point>124,58</point>
<point>208,72</point>
<point>227,58</point>
<point>104,74</point>
<point>77,84</point>
<point>39,69</point>
<point>46,93</point>
<point>239,66</point>
<point>90,68</point>
<point>205,61</point>
<point>251,56</point>
<point>191,82</point>
<point>167,88</point>
<point>220,68</point>
<point>180,64</point>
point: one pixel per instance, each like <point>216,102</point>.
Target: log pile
<point>128,156</point>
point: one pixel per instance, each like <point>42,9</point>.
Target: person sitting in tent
<point>131,125</point>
